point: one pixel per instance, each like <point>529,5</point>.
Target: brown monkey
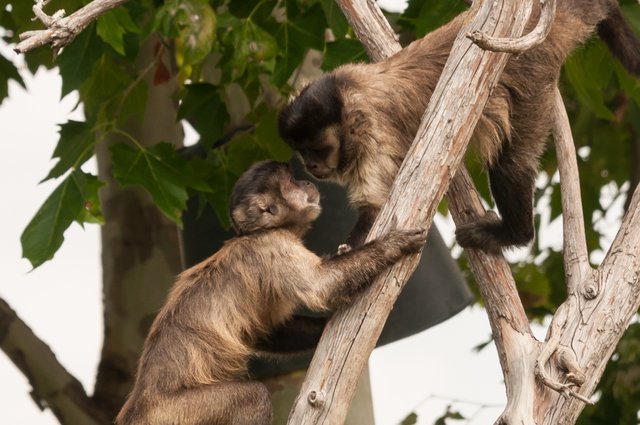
<point>221,310</point>
<point>355,124</point>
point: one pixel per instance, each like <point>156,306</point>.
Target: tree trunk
<point>140,246</point>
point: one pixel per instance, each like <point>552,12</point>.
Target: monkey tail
<point>623,43</point>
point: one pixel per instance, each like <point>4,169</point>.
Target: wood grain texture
<point>421,182</point>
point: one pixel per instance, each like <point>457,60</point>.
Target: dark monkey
<point>355,124</point>
<point>219,312</point>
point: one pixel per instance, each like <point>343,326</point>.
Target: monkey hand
<point>402,242</point>
<point>344,248</point>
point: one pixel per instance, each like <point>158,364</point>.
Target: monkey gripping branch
<point>572,358</point>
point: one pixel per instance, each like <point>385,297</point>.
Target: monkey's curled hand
<point>398,243</point>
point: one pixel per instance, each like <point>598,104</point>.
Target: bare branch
<point>420,184</point>
<point>371,27</point>
<point>53,386</point>
<point>60,30</point>
<point>521,44</point>
<point>576,256</point>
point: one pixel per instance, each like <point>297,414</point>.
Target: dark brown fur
<point>221,310</point>
<point>356,124</point>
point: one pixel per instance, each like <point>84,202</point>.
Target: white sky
<point>61,300</point>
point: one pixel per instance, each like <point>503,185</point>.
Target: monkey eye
<point>271,209</point>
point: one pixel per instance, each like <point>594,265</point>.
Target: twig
<point>521,44</point>
<point>60,30</point>
<point>53,386</point>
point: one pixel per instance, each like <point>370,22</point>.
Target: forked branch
<point>61,30</point>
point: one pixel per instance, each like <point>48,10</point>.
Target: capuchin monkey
<point>220,311</point>
<point>355,124</point>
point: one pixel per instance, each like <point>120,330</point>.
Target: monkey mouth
<point>321,175</point>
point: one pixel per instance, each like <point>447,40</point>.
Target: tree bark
<point>53,386</point>
<point>420,184</point>
<point>140,246</point>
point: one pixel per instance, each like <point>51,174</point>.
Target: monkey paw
<point>344,248</point>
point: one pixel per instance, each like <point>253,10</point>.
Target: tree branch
<point>60,30</point>
<point>576,257</point>
<point>53,386</point>
<point>520,44</point>
<point>421,182</point>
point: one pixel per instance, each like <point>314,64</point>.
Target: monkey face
<point>267,196</point>
<point>311,124</point>
<point>321,155</point>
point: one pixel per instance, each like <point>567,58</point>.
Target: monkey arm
<point>335,280</point>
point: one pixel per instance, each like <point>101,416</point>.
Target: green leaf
<point>113,25</point>
<point>423,16</point>
<point>74,147</point>
<point>8,72</point>
<point>410,419</point>
<point>91,211</point>
<point>251,49</point>
<point>77,59</point>
<point>45,232</point>
<point>192,23</point>
<point>343,51</point>
<point>161,171</point>
<point>589,70</point>
<point>205,110</point>
<point>112,95</point>
<point>335,18</point>
<point>298,33</point>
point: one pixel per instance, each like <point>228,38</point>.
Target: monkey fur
<point>220,312</point>
<point>355,124</point>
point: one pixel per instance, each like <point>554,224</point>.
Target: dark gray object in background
<point>435,292</point>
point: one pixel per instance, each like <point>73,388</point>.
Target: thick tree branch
<point>61,31</point>
<point>419,186</point>
<point>53,386</point>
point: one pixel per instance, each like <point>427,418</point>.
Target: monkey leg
<point>225,403</point>
<point>512,179</point>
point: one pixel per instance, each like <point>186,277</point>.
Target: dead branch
<point>419,186</point>
<point>576,257</point>
<point>53,386</point>
<point>520,44</point>
<point>61,31</point>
